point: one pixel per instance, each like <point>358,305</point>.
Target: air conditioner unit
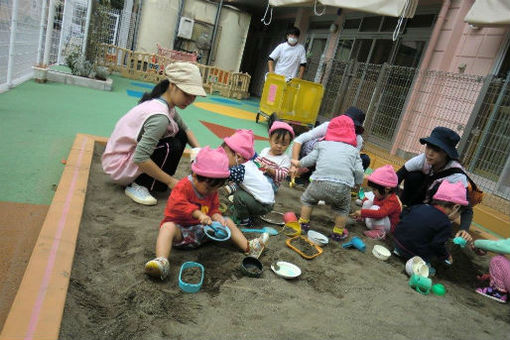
<point>185,28</point>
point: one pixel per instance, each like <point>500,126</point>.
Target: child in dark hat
<point>423,174</point>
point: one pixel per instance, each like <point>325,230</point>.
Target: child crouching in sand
<point>424,230</point>
<point>381,214</point>
<point>253,192</point>
<point>338,168</point>
<point>192,204</point>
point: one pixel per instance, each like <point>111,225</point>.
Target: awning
<point>489,12</point>
<point>392,8</point>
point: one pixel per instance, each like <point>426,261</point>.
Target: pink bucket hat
<point>241,142</point>
<point>451,192</point>
<point>211,163</point>
<point>277,125</point>
<point>341,129</point>
<point>385,176</point>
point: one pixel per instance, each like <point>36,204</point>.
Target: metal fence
<point>28,19</point>
<point>24,19</point>
<point>70,27</point>
<point>403,105</point>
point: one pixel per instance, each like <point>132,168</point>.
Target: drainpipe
<point>49,33</point>
<point>404,121</point>
<point>62,31</point>
<point>215,32</point>
<point>134,43</point>
<point>87,24</point>
<point>41,32</point>
<point>14,25</point>
<point>179,16</point>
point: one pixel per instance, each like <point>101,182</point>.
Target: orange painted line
<point>36,312</point>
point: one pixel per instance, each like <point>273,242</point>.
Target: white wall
<point>157,24</point>
<point>232,35</point>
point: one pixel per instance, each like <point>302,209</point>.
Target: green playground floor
<point>40,121</point>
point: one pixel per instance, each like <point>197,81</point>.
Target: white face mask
<point>291,40</point>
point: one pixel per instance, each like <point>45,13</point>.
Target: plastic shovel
<point>269,230</point>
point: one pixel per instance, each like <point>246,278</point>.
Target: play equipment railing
<point>150,67</point>
<point>176,55</point>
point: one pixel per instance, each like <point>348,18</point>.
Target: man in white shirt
<point>290,57</point>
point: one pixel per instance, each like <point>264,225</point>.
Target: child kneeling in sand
<point>424,230</point>
<point>253,192</point>
<point>192,204</point>
<point>382,213</point>
<point>338,168</point>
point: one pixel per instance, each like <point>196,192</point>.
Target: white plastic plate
<point>317,238</point>
<point>286,270</point>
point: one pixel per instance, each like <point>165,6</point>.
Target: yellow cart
<point>296,102</point>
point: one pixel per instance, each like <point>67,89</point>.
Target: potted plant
<point>40,73</point>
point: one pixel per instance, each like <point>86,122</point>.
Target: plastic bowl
<point>223,234</point>
<point>317,238</point>
<point>381,252</point>
<point>290,216</point>
<point>251,267</point>
<point>416,265</point>
<point>190,287</point>
<point>286,270</point>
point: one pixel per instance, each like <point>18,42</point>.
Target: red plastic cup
<point>289,217</point>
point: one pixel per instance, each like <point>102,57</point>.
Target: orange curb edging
<point>37,309</point>
<point>36,312</point>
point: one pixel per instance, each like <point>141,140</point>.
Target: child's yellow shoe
<point>304,225</point>
<point>339,234</point>
<point>158,267</point>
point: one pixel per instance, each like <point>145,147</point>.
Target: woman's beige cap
<point>187,77</point>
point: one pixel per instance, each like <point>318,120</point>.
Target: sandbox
<point>341,293</point>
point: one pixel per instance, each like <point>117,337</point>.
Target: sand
<point>342,293</point>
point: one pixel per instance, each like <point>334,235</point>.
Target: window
<point>409,53</point>
<point>343,50</point>
<point>361,49</point>
<point>389,24</point>
<point>352,24</point>
<point>420,21</point>
<point>370,24</point>
<point>382,51</point>
<point>505,65</point>
<point>369,40</point>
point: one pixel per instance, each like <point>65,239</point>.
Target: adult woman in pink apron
<point>147,143</point>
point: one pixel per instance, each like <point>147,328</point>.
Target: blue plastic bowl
<point>190,287</point>
<point>217,232</point>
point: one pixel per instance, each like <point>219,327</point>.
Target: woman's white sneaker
<point>140,194</point>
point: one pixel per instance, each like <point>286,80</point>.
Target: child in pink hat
<point>424,229</point>
<point>192,204</point>
<point>338,168</point>
<point>274,161</point>
<point>253,193</point>
<point>381,212</point>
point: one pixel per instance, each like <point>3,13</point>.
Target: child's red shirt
<point>184,200</point>
<point>389,206</point>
